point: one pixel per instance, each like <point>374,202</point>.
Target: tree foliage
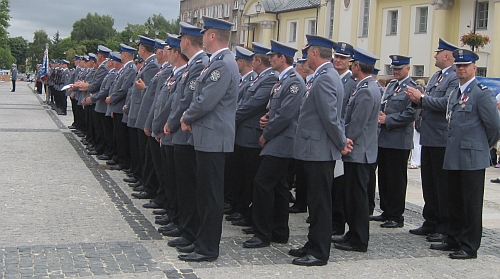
<point>37,48</point>
<point>4,22</point>
<point>19,49</point>
<point>93,27</point>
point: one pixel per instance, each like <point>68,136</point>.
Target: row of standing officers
<point>188,127</point>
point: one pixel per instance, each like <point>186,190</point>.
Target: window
<point>195,15</point>
<point>189,17</point>
<point>392,23</point>
<point>366,19</point>
<point>418,70</point>
<point>227,10</point>
<point>210,12</point>
<point>218,11</point>
<point>388,70</point>
<point>422,15</point>
<point>292,31</point>
<point>482,15</point>
<point>481,72</point>
<point>236,5</point>
<point>235,24</point>
<point>330,25</point>
<point>311,27</point>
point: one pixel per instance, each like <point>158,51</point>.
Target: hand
<point>88,100</point>
<point>147,132</point>
<point>348,147</point>
<point>262,141</point>
<point>112,115</point>
<point>108,100</point>
<point>381,118</point>
<point>158,140</point>
<point>166,130</point>
<point>140,84</point>
<point>72,95</point>
<point>498,105</point>
<point>413,94</point>
<point>184,126</point>
<point>263,121</point>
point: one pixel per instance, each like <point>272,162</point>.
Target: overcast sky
<point>52,15</point>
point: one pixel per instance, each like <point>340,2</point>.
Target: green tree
<point>6,59</point>
<point>37,48</point>
<point>4,22</point>
<point>93,27</point>
<point>19,49</point>
<point>57,50</point>
<point>158,22</point>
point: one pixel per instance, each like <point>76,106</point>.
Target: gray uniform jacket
<point>397,132</point>
<point>163,106</point>
<point>183,97</point>
<point>147,105</point>
<point>13,74</point>
<point>252,107</point>
<point>66,77</point>
<point>474,127</point>
<point>245,83</point>
<point>284,105</point>
<point>434,127</point>
<point>89,76</point>
<point>320,131</point>
<point>99,99</point>
<point>125,79</point>
<point>361,122</point>
<point>349,85</point>
<point>212,112</point>
<point>95,84</point>
<point>148,71</point>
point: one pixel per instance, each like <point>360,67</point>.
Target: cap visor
<point>270,52</point>
<point>342,54</point>
<point>397,66</point>
<point>463,63</point>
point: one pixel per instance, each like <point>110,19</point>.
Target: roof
<point>278,6</point>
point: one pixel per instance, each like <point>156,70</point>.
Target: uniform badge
<point>294,89</point>
<point>463,105</point>
<point>215,75</point>
<point>192,85</point>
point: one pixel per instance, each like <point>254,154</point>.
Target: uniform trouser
<point>185,174</point>
<point>73,110</point>
<point>355,197</point>
<point>372,184</point>
<point>296,169</point>
<point>100,140</point>
<point>13,86</point>
<point>251,160</point>
<point>121,138</point>
<point>434,189</point>
<point>142,140</point>
<point>39,86</point>
<point>465,199</point>
<point>51,93</point>
<point>135,153</point>
<point>168,179</point>
<point>107,129</point>
<point>153,162</point>
<point>232,173</point>
<point>89,123</point>
<point>210,198</point>
<point>57,98</point>
<point>64,102</point>
<point>271,199</point>
<point>319,200</point>
<point>81,119</point>
<point>338,204</point>
<point>392,182</point>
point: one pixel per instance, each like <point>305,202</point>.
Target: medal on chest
<point>276,88</point>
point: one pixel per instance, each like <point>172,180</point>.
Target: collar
<point>309,77</point>
<point>164,65</point>
<point>443,71</point>
<point>321,66</point>
<point>125,65</point>
<point>152,55</point>
<point>284,72</point>
<point>194,56</point>
<point>217,53</point>
<point>243,77</point>
<point>345,73</point>
<point>465,85</point>
<point>399,82</point>
<point>176,70</point>
<point>363,80</point>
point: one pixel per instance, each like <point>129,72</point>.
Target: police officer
<point>270,195</point>
<point>433,140</point>
<point>395,143</point>
<point>65,78</point>
<point>13,77</point>
<point>473,129</point>
<point>211,117</point>
<point>342,63</point>
<point>361,125</point>
<point>75,75</point>
<point>319,141</point>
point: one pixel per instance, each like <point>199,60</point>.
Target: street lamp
<point>258,9</point>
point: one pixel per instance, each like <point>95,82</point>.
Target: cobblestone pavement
<point>64,214</point>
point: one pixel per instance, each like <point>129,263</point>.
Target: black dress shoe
<point>152,205</point>
<point>435,237</point>
<point>179,241</point>
<point>157,217</point>
<point>235,217</point>
<point>130,174</point>
<point>337,232</point>
<point>160,212</point>
<point>342,239</point>
<point>94,153</point>
<point>348,247</point>
<point>249,230</point>
<point>195,257</point>
<point>137,184</point>
<point>389,224</point>
<point>241,223</point>
<point>308,220</point>
<point>378,218</point>
<point>309,260</point>
<point>299,252</point>
<point>228,211</point>
<point>115,167</point>
<point>255,242</point>
<point>111,162</point>
<point>185,249</point>
<point>71,127</point>
<point>163,221</point>
<point>496,180</point>
<point>291,197</point>
<point>172,233</point>
<point>444,247</point>
<point>297,209</point>
<point>139,189</point>
<point>167,228</point>
<point>103,157</point>
<point>130,180</point>
<point>141,195</point>
<point>422,230</point>
<point>461,255</point>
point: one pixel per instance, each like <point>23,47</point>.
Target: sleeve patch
<point>192,85</point>
<point>215,75</point>
<point>294,89</point>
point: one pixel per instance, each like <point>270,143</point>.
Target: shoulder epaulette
<point>131,65</point>
<point>292,74</point>
<point>364,85</point>
<point>198,61</point>
<point>393,80</point>
<point>483,87</point>
<point>322,72</point>
<point>413,82</point>
<point>271,73</point>
<point>251,78</point>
